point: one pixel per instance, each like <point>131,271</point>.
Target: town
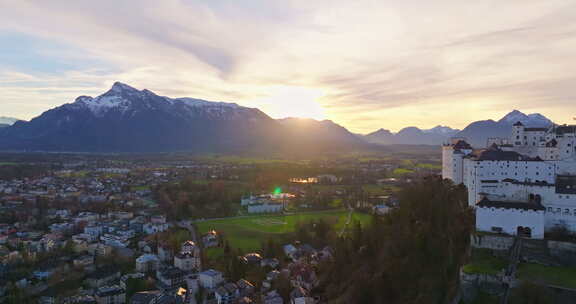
<point>86,229</point>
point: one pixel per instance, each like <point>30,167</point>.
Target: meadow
<point>248,233</point>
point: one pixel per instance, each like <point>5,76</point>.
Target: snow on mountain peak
<point>119,87</point>
<point>442,130</point>
<point>123,97</point>
<point>534,119</point>
<point>514,116</point>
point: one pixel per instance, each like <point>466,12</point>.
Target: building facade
<point>524,185</point>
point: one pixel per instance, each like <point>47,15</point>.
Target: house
<point>272,297</point>
<point>190,247</point>
<point>145,297</point>
<point>147,263</point>
<point>245,288</point>
<point>165,254</point>
<point>187,261</point>
<point>110,295</point>
<point>153,228</point>
<point>289,250</point>
<point>252,258</point>
<point>102,277</point>
<point>210,278</point>
<point>210,239</point>
<point>227,293</point>
<point>83,261</point>
<point>170,278</point>
<point>381,209</point>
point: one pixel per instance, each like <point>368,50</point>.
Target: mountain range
<point>125,119</point>
<point>476,133</point>
<point>412,135</point>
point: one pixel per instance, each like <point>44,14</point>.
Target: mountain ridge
<point>125,119</point>
<point>477,132</point>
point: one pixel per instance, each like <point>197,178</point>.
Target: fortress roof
<point>462,144</point>
<point>536,129</point>
<point>486,203</point>
<point>561,130</point>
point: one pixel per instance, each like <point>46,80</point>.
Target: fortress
<point>524,185</point>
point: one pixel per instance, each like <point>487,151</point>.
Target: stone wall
<point>564,252</point>
<point>494,242</point>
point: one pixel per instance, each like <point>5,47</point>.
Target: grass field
<point>401,171</point>
<point>248,233</point>
<point>484,263</point>
<point>140,188</point>
<point>559,276</point>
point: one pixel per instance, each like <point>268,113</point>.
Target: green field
<point>248,233</point>
<point>140,188</point>
<point>401,171</point>
<point>484,263</point>
<point>558,276</point>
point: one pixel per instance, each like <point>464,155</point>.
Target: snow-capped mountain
<point>441,130</point>
<point>125,119</point>
<point>534,119</point>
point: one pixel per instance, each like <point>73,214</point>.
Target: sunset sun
<point>293,101</point>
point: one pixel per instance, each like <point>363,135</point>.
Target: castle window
<point>567,211</point>
<point>550,210</point>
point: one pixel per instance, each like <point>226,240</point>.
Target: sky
<point>364,64</point>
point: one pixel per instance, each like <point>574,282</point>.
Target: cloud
<point>378,63</point>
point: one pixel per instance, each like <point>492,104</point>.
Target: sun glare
<point>293,101</point>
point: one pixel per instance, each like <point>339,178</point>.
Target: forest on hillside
<point>412,255</point>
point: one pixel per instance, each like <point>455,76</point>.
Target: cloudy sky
<point>363,64</point>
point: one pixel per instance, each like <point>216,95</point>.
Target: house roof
<point>536,129</point>
<point>561,130</point>
<point>462,145</point>
<point>496,154</point>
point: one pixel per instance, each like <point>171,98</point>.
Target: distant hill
<point>412,136</point>
<point>125,119</point>
<point>477,133</point>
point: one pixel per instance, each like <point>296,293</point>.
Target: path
<point>510,273</point>
<point>347,221</point>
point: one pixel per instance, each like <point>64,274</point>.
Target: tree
<point>411,255</point>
